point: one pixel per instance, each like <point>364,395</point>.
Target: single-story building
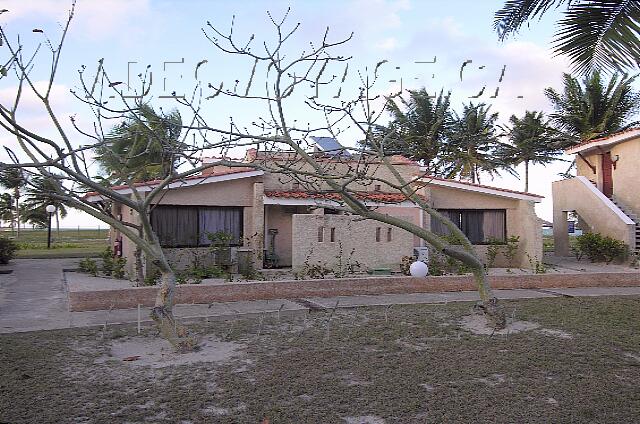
<point>283,225</point>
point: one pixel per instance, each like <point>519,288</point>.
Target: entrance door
<point>607,174</point>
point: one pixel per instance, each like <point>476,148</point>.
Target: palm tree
<point>14,179</point>
<point>472,144</point>
<point>593,109</point>
<point>143,147</point>
<point>40,193</point>
<point>38,217</point>
<point>593,34</point>
<point>532,142</point>
<point>418,125</point>
<point>7,211</point>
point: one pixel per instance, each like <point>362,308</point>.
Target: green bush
<point>107,261</point>
<point>118,267</point>
<point>89,266</point>
<point>151,279</point>
<point>494,248</point>
<point>599,248</point>
<point>513,243</point>
<point>201,272</point>
<point>7,250</point>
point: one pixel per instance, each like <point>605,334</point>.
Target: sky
<point>167,39</point>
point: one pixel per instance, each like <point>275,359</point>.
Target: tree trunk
<point>162,312</point>
<point>526,176</point>
<point>16,194</point>
<point>489,303</point>
<point>137,254</point>
<point>57,226</point>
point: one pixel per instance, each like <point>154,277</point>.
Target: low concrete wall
<point>600,214</point>
<point>188,293</point>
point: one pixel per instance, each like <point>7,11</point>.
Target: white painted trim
<point>183,183</point>
<point>605,142</point>
<point>328,203</point>
<point>600,195</point>
<point>478,189</point>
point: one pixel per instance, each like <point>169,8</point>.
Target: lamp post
<point>50,210</point>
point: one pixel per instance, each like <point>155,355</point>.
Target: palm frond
<point>515,13</point>
<point>601,34</point>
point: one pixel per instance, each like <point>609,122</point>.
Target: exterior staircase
<point>627,211</point>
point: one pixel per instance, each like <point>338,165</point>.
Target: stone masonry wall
<point>354,235</point>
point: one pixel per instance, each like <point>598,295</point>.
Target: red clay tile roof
<point>506,190</point>
<point>254,155</point>
<point>596,140</point>
<point>381,197</point>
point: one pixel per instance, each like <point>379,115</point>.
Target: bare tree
<point>276,79</point>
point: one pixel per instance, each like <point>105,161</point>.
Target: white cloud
<point>376,15</point>
<point>387,44</point>
<point>530,69</point>
<point>95,19</point>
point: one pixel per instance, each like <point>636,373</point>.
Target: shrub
<point>494,248</point>
<point>599,248</point>
<point>107,261</point>
<point>89,266</point>
<point>7,250</point>
<point>201,272</point>
<point>151,279</point>
<point>405,264</point>
<point>513,243</point>
<point>118,267</point>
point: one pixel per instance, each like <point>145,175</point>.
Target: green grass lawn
<point>407,364</point>
<point>67,243</point>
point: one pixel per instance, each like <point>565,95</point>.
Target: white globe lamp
<point>418,269</point>
<point>50,210</point>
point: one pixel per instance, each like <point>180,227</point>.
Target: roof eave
<point>484,190</point>
<point>205,179</point>
<point>604,142</point>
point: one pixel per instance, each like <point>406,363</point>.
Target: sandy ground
<point>565,360</point>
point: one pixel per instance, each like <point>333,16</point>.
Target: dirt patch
<point>365,419</point>
<point>556,333</point>
<point>493,380</point>
<point>157,353</point>
<point>478,324</point>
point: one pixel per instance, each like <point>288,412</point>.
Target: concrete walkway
<point>34,297</point>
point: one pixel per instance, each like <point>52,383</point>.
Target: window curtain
<point>439,228</point>
<point>478,225</point>
<point>472,224</point>
<point>494,225</point>
<point>175,226</point>
<point>213,220</point>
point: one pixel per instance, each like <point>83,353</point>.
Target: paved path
<point>34,297</point>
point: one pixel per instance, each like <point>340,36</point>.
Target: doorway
<point>607,174</point>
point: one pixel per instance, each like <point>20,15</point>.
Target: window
<point>333,235</point>
<point>377,187</point>
<point>389,234</point>
<point>378,231</point>
<point>188,226</point>
<point>479,225</point>
<point>320,234</point>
